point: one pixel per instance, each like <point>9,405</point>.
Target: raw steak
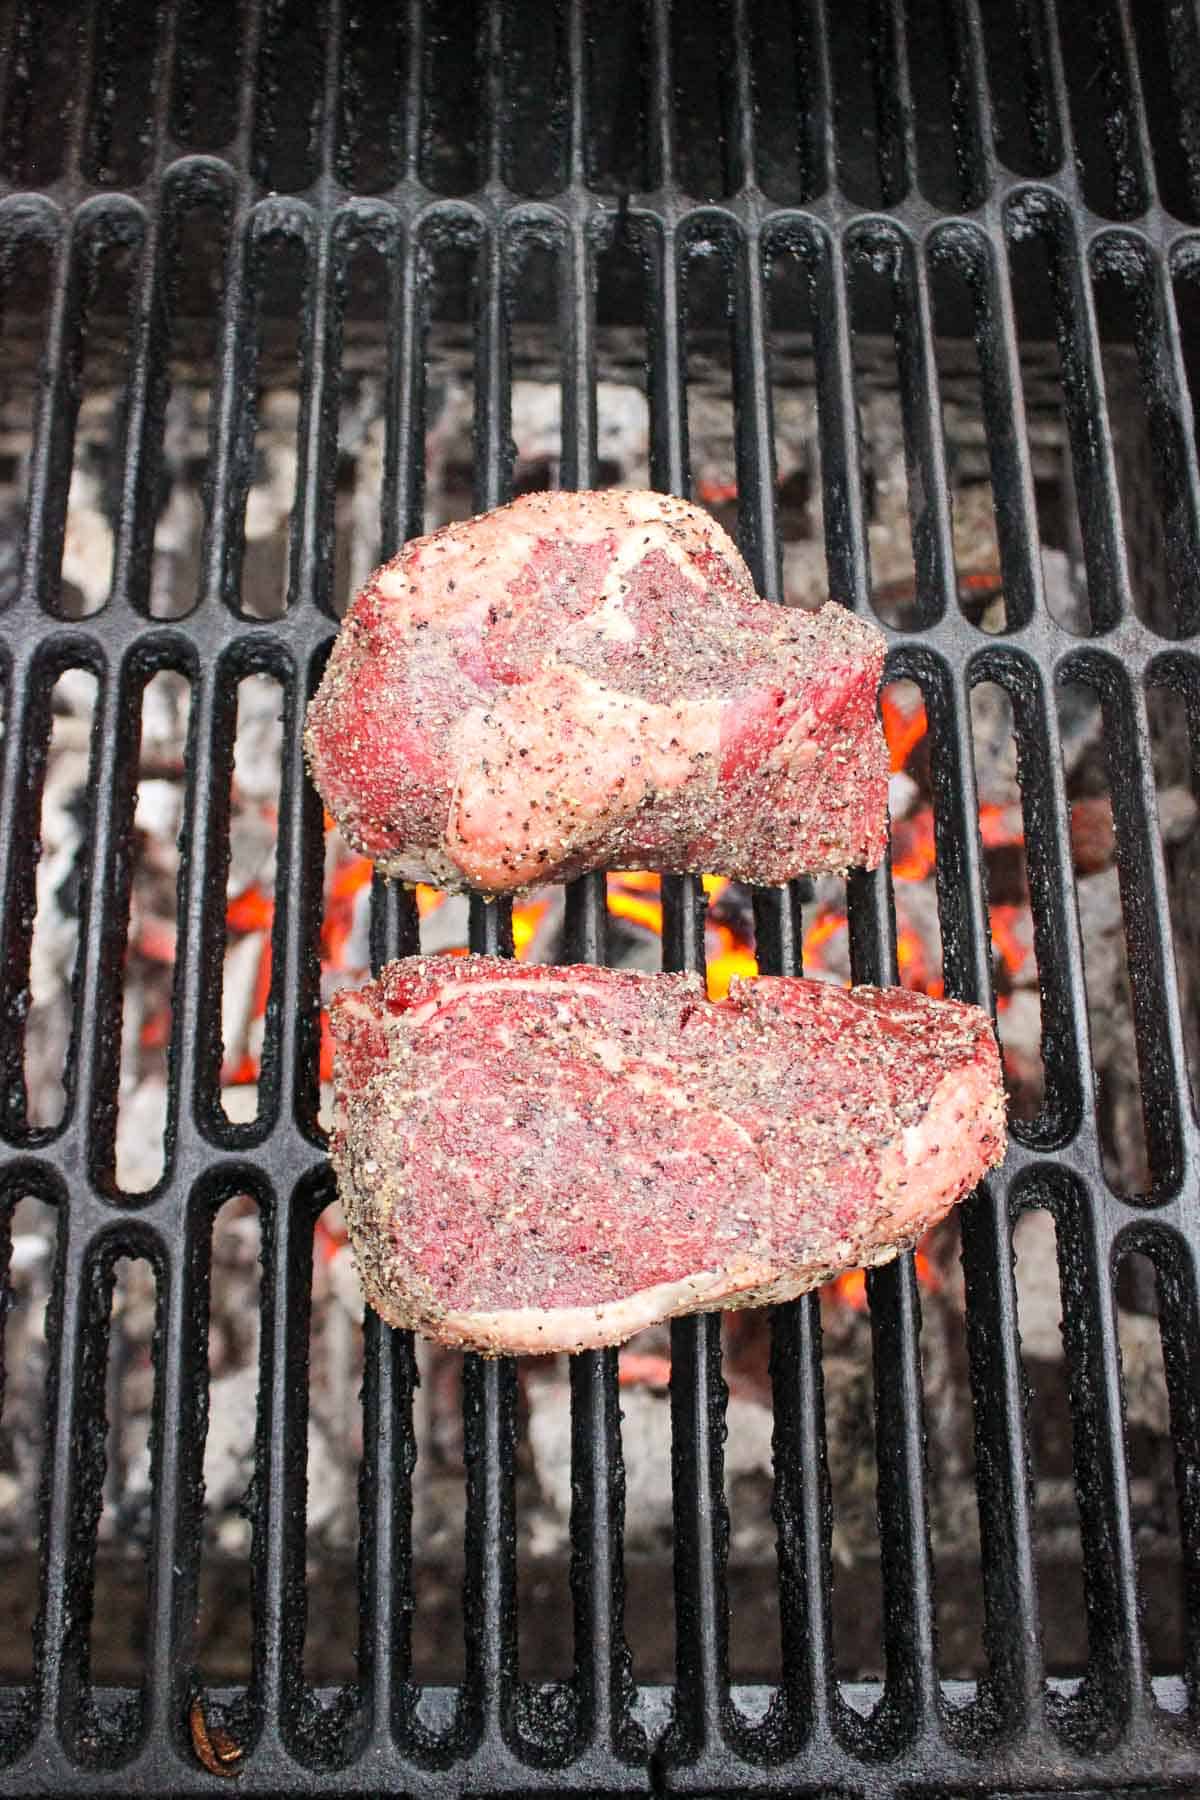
<point>550,1159</point>
<point>586,679</point>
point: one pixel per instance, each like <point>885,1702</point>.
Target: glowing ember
<point>910,959</point>
<point>827,924</point>
<point>634,895</point>
<point>155,940</point>
<point>914,848</point>
<point>1000,826</point>
<point>643,1369</point>
<point>329,1235</point>
<point>731,958</point>
<point>904,725</point>
<point>525,921</point>
<point>1011,934</point>
<point>347,882</point>
<point>251,910</point>
<point>156,1029</point>
<point>850,1289</point>
<point>713,492</point>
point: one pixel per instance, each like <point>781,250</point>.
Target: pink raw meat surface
<point>581,680</point>
<point>535,1159</point>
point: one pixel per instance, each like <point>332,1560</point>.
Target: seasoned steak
<point>578,680</point>
<point>550,1159</point>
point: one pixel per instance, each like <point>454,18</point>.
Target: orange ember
<point>1000,826</point>
<point>251,910</point>
<point>525,921</point>
<point>713,492</point>
<point>639,1368</point>
<point>903,727</point>
<point>634,894</point>
<point>850,1289</point>
<point>914,849</point>
<point>826,925</point>
<point>1012,946</point>
<point>729,959</point>
<point>156,1029</point>
<point>262,982</point>
<point>155,940</point>
<point>329,1234</point>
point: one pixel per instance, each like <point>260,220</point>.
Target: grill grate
<point>752,135</point>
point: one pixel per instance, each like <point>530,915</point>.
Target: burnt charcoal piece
<point>586,679</point>
<point>535,1159</point>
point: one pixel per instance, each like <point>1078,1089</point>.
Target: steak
<point>580,680</point>
<point>535,1159</point>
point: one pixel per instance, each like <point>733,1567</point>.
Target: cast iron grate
<point>749,135</point>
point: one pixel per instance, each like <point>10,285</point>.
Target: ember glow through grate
<point>908,295</point>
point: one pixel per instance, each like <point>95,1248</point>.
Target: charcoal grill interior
<point>187,181</point>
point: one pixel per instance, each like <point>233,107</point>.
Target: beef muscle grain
<point>552,1158</point>
<point>586,679</point>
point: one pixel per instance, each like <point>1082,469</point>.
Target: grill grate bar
<point>1158,1024</point>
<point>144,395</point>
<point>175,1546</point>
<point>102,941</point>
<point>196,1046</point>
<point>1171,426</point>
<point>602,1680</point>
<point>489,1388</point>
<point>56,1691</point>
<point>28,680</point>
<point>54,420</point>
<point>933,543</point>
<point>802,1507</point>
<point>898,160</point>
<point>1110,1577</point>
<point>1098,495</point>
<point>309,570</point>
<point>1133,105</point>
<point>230,433</point>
